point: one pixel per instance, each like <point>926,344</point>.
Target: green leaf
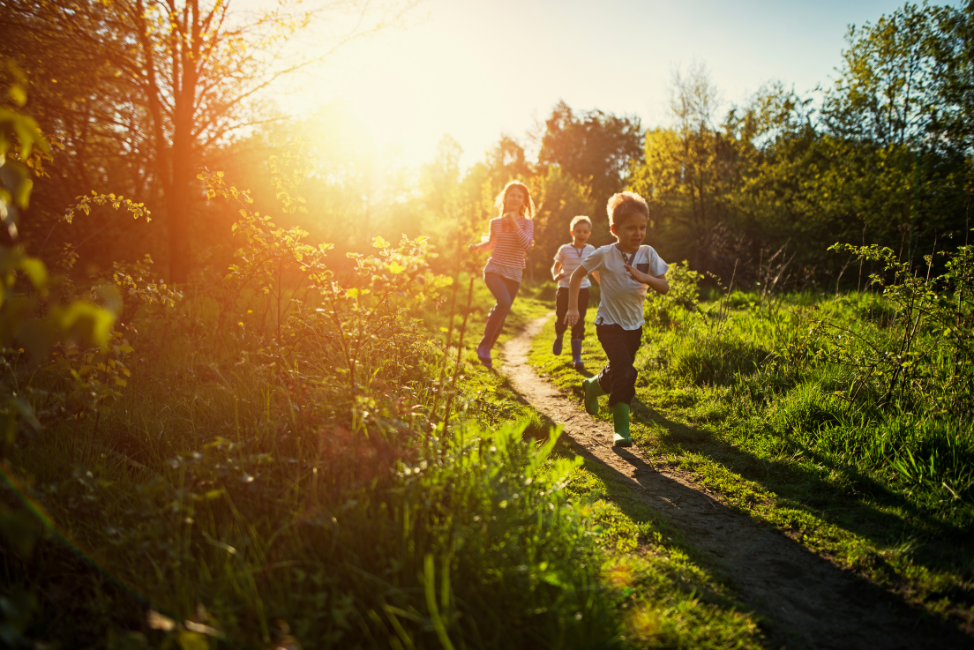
<point>17,95</point>
<point>36,271</point>
<point>192,641</point>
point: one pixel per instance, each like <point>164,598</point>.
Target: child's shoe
<point>620,424</point>
<point>592,390</point>
<point>577,354</point>
<point>484,358</point>
<point>556,348</point>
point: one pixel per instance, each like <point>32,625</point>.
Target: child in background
<point>626,270</point>
<point>567,260</point>
<point>510,237</point>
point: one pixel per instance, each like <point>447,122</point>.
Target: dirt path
<point>808,601</point>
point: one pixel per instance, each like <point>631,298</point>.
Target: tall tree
<point>82,100</point>
<point>903,102</point>
<point>196,67</point>
<point>884,92</point>
<point>560,198</point>
<point>690,168</point>
<point>596,148</point>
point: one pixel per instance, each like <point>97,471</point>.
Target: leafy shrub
<point>684,295</point>
<point>926,355</point>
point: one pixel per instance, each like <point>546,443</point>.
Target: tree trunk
<point>177,207</point>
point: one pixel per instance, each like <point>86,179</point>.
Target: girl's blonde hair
<point>527,210</point>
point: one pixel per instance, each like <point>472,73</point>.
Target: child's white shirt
<point>570,257</point>
<point>622,296</point>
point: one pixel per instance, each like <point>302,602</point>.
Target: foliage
<point>759,410</point>
<point>37,322</point>
<point>886,92</point>
<point>884,159</point>
<point>594,147</point>
<point>19,137</point>
<point>924,357</point>
<point>359,311</point>
<point>560,199</point>
<point>684,294</point>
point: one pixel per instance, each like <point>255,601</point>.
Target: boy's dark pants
<point>561,308</point>
<point>618,378</point>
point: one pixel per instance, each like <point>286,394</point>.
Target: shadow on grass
<point>937,544</point>
<point>864,509</point>
<point>862,506</point>
<point>790,587</point>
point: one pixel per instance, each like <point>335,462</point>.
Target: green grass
<point>671,597</point>
<point>758,410</point>
<point>241,494</point>
<point>665,594</point>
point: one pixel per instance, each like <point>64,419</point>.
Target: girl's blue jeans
<point>504,291</point>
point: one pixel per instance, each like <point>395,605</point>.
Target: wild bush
<point>275,468</point>
<point>925,356</point>
<point>683,295</point>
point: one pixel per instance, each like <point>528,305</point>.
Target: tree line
<point>139,97</point>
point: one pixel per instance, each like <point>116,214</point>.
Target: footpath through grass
<point>767,404</point>
<point>664,594</point>
<point>243,493</point>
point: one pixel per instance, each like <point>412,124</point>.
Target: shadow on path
<point>808,601</point>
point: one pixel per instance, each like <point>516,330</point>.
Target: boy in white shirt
<point>567,260</point>
<point>626,270</point>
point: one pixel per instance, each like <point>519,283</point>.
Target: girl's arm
<point>486,245</point>
<point>525,234</point>
<point>595,274</point>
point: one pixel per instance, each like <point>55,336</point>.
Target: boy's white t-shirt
<point>570,257</point>
<point>622,297</point>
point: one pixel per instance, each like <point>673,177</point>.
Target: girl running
<point>510,237</point>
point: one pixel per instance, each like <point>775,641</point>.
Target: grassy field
<point>664,594</point>
<point>237,492</point>
<point>782,408</point>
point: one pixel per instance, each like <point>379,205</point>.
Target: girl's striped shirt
<point>508,245</point>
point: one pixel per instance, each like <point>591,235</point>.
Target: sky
<point>477,69</point>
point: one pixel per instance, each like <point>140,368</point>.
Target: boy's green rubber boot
<point>620,424</point>
<point>592,391</point>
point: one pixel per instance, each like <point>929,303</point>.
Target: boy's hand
<point>571,317</point>
<point>638,275</point>
<point>560,275</point>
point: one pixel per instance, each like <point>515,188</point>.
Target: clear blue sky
<point>478,68</point>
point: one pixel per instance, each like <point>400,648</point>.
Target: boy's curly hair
<point>623,205</point>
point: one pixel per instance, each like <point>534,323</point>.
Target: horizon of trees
<point>885,155</point>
